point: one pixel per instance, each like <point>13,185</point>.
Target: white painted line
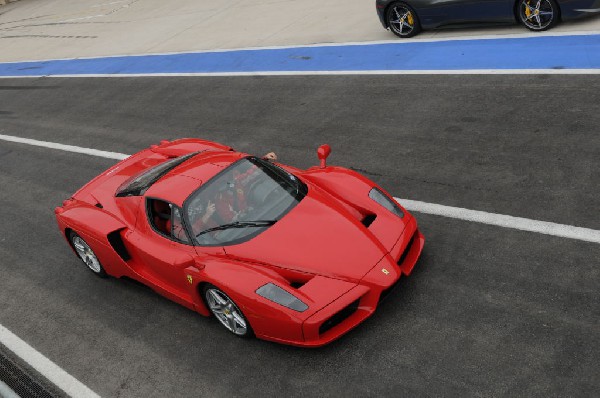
<point>6,391</point>
<point>336,72</point>
<point>352,43</point>
<point>62,147</point>
<point>500,220</point>
<point>44,366</point>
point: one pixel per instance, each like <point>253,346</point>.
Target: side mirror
<point>323,151</point>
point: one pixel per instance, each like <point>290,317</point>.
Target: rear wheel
<point>538,15</point>
<point>87,255</point>
<point>226,311</point>
<point>402,20</point>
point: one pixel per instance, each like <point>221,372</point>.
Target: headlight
<point>276,294</point>
<point>386,202</point>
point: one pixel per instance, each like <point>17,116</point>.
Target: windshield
<point>139,184</point>
<point>242,201</point>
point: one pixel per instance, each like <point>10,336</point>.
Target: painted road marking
<point>482,217</point>
<point>62,147</point>
<point>6,391</point>
<point>346,73</point>
<point>51,371</point>
<point>580,52</point>
<point>502,220</point>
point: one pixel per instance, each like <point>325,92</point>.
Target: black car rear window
<point>140,183</point>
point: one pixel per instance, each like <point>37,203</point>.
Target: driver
<point>230,204</point>
<point>203,219</point>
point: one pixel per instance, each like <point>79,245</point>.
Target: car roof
<point>178,184</point>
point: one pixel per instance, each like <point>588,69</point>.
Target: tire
<point>538,15</point>
<point>87,255</point>
<point>402,20</point>
<point>226,311</point>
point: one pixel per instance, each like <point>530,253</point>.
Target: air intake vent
<point>115,240</point>
<point>368,220</point>
<point>384,294</point>
<point>339,317</point>
<point>405,253</point>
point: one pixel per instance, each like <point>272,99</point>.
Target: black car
<point>407,18</point>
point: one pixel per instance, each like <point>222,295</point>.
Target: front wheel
<point>538,15</point>
<point>402,20</point>
<point>226,311</point>
<point>87,255</point>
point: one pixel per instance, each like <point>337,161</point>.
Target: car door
<point>434,13</point>
<point>163,249</point>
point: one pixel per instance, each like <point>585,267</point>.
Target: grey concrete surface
<point>487,312</point>
<point>45,29</point>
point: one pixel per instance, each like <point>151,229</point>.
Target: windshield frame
<point>264,165</point>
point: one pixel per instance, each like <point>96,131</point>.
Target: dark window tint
<point>139,184</point>
<point>165,218</point>
<point>242,201</point>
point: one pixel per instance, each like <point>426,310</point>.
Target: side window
<point>166,219</point>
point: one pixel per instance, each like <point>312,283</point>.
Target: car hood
<point>318,236</point>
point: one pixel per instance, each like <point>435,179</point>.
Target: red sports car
<point>294,256</point>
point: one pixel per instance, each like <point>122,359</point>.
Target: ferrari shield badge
<point>385,271</point>
<point>190,279</point>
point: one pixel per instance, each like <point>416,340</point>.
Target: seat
<point>161,216</point>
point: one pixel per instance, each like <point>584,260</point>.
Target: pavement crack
<point>366,171</point>
<point>60,24</point>
<point>48,37</point>
<point>24,19</point>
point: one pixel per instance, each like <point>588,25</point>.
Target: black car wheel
<point>402,20</point>
<point>538,15</point>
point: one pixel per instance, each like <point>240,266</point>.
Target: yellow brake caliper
<point>410,18</point>
<point>527,10</point>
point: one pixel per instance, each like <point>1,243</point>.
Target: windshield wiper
<point>239,224</point>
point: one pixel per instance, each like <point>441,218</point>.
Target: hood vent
<point>368,220</point>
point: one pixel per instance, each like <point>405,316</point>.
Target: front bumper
<point>360,302</point>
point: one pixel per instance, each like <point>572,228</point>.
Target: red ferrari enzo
<point>294,256</point>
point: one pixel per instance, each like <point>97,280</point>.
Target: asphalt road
<point>488,311</point>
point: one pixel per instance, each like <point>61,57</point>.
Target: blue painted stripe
<point>544,52</point>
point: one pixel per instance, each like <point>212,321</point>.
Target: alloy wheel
<point>401,20</point>
<point>225,310</point>
<point>537,14</point>
<point>86,254</point>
